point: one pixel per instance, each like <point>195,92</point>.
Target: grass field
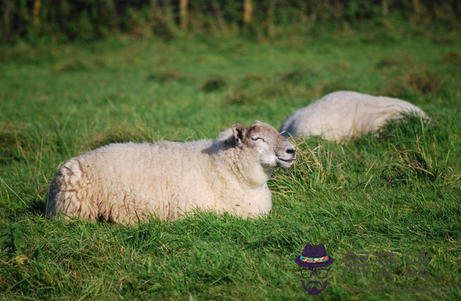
<point>399,193</point>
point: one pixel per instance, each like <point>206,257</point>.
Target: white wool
<point>346,114</point>
<point>130,182</point>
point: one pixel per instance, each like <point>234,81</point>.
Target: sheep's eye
<point>257,138</point>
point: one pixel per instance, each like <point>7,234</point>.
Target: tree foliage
<point>67,20</point>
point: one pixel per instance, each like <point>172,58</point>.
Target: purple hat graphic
<point>314,257</point>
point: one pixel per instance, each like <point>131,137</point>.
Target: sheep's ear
<point>239,132</point>
<point>256,122</point>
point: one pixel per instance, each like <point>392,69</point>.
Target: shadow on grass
<point>37,207</point>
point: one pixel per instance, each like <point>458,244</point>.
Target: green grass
<point>398,192</point>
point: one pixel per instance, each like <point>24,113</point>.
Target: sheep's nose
<point>291,151</point>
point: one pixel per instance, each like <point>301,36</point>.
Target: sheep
<point>345,114</point>
<point>129,182</point>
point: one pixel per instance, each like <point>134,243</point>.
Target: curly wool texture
<point>346,114</point>
<point>130,182</point>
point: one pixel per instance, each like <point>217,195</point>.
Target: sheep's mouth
<point>285,163</point>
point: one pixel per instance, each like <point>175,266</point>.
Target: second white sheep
<point>346,114</point>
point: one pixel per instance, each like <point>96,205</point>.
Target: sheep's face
<point>273,149</point>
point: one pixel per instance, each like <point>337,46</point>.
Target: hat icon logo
<point>315,259</point>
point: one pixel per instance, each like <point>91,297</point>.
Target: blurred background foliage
<point>47,21</point>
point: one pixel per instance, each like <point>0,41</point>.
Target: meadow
<point>398,192</point>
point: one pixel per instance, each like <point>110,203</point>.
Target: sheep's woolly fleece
<point>346,114</point>
<point>132,182</point>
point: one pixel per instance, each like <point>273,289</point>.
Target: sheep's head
<point>273,149</point>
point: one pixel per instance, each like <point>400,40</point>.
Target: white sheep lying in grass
<point>130,182</point>
<point>345,114</point>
